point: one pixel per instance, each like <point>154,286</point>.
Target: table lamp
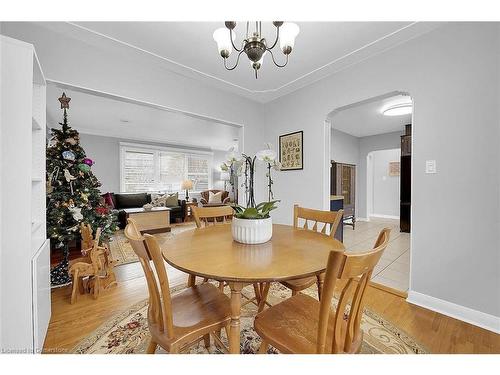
<point>187,185</point>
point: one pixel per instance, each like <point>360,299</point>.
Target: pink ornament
<point>88,161</point>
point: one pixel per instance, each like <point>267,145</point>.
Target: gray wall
<point>452,74</point>
<point>344,147</point>
<point>385,188</point>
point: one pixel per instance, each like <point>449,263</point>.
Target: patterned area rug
<point>127,333</point>
<point>122,253</point>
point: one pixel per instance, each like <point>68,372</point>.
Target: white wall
<point>385,188</point>
<point>452,74</point>
<point>367,145</point>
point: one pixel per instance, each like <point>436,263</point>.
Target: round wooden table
<point>210,252</point>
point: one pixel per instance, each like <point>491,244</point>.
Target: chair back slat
<point>329,219</point>
<point>211,215</point>
<point>354,271</point>
<point>147,249</point>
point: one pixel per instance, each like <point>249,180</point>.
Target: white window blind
<point>146,168</point>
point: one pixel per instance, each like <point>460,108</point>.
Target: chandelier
<point>254,44</point>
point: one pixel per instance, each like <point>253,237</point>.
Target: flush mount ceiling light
<point>255,45</point>
<point>398,109</point>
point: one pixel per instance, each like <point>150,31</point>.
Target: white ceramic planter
<point>252,231</point>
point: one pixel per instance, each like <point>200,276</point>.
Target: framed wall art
<point>394,168</point>
<point>291,151</point>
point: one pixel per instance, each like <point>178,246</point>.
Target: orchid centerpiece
<point>241,164</point>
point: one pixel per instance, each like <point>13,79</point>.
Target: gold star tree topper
<point>64,101</point>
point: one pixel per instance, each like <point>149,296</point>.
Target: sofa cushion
<point>109,200</point>
<point>215,197</point>
<point>172,200</point>
<point>131,200</point>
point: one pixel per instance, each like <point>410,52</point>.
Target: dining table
<point>211,253</point>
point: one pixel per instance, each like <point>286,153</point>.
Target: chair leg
<point>294,292</point>
<point>74,287</point>
<point>151,347</point>
<point>206,340</point>
<point>263,347</point>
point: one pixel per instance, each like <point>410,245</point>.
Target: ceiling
<point>321,48</point>
<point>367,119</point>
<point>92,114</point>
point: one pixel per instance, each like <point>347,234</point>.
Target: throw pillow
<point>172,200</point>
<point>215,198</point>
<point>158,200</point>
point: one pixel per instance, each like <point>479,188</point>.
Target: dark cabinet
<point>343,182</point>
<point>405,181</point>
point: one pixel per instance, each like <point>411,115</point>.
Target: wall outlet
<point>430,166</point>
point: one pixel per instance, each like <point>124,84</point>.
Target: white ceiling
<point>91,114</point>
<point>367,119</point>
<point>321,48</point>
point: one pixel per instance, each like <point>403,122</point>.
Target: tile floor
<point>393,269</point>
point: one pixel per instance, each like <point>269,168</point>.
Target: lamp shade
<point>288,33</point>
<point>187,185</point>
<point>222,37</point>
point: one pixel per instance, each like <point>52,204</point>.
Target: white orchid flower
<point>268,156</point>
<point>277,165</point>
<point>233,156</point>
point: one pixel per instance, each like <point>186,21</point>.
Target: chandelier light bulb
<point>222,37</point>
<point>288,33</point>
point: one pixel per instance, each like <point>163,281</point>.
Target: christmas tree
<point>73,194</point>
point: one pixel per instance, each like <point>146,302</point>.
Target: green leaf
<point>250,213</point>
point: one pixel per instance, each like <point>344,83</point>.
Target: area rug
<point>127,333</point>
<point>122,252</point>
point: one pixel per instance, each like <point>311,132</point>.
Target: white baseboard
<point>385,216</point>
<point>474,317</point>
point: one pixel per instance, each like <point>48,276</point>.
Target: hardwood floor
<point>438,333</point>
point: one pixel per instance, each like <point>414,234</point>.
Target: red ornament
<point>102,210</point>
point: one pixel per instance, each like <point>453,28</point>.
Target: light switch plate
<point>430,166</point>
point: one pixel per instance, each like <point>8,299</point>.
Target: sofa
<point>205,194</point>
<point>120,201</point>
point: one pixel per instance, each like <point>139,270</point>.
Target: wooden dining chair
<point>89,266</point>
<point>205,216</point>
<point>303,325</point>
<point>325,222</point>
<point>176,322</point>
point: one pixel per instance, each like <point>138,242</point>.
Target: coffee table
<point>156,220</point>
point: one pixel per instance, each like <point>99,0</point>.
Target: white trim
<point>385,216</point>
<point>165,148</point>
<point>465,314</point>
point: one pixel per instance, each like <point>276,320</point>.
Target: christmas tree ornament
<point>68,155</point>
<point>84,167</point>
<point>71,203</point>
<point>85,197</point>
<point>68,176</point>
<point>71,141</point>
<point>88,161</point>
<point>77,213</point>
<point>52,142</point>
<point>64,100</point>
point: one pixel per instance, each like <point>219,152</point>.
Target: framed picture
<point>394,168</point>
<point>291,151</point>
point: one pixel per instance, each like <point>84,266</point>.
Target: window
<point>148,168</point>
